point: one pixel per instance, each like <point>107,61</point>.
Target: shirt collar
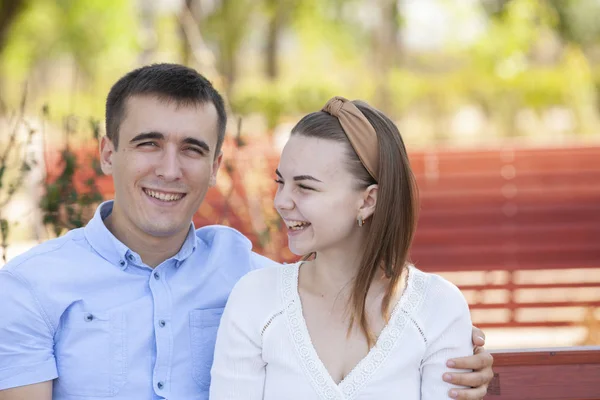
<point>117,253</point>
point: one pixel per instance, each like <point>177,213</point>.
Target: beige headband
<point>359,130</point>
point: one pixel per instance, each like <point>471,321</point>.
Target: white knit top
<point>264,350</point>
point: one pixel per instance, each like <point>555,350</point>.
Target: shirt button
<point>89,317</point>
<point>160,385</point>
<point>156,276</point>
<point>130,257</point>
<point>162,323</point>
<point>122,262</point>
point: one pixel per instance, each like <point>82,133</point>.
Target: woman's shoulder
<point>261,285</point>
<point>436,292</point>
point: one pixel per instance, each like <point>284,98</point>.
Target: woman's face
<point>317,196</point>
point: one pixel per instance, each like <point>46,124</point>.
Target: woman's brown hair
<point>393,223</point>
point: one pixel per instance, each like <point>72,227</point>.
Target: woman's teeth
<point>297,225</point>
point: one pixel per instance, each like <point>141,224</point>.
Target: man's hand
<point>478,380</point>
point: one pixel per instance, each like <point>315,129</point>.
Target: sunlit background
<point>497,101</point>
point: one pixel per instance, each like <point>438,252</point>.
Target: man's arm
<point>26,338</point>
<point>480,362</point>
<point>37,391</point>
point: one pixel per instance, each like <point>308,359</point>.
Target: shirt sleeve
<point>449,329</point>
<point>26,336</point>
<point>238,370</point>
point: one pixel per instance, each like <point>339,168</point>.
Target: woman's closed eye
<point>279,181</point>
<point>304,187</point>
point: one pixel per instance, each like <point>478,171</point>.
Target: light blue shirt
<point>83,308</point>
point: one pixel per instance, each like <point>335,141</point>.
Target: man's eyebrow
<point>159,136</point>
<point>200,143</point>
<point>300,177</point>
<point>147,135</point>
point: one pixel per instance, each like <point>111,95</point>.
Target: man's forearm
<point>37,391</point>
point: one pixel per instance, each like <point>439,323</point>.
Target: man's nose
<point>169,166</point>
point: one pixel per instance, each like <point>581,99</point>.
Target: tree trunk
<point>387,51</point>
<point>148,31</point>
<point>229,45</point>
<point>276,10</point>
<point>189,6</point>
<point>9,12</point>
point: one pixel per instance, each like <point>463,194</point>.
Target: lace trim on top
<point>349,387</point>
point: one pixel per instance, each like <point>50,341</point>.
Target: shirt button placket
<point>162,367</point>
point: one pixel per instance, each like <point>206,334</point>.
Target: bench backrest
<point>516,230</point>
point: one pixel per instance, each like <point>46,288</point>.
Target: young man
<point>128,307</point>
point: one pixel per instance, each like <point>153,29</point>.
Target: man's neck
<point>152,249</point>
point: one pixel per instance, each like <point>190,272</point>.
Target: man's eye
<point>278,181</point>
<point>303,187</point>
<point>149,144</point>
<point>195,150</point>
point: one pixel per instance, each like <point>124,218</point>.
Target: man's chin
<point>166,230</point>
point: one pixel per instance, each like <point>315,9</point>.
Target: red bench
<point>492,212</point>
<point>513,212</point>
<point>546,374</point>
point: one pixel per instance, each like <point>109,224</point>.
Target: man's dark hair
<point>168,82</point>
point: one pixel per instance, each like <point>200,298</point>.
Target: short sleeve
<point>26,337</point>
<point>448,334</point>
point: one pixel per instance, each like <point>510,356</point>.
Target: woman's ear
<point>369,202</point>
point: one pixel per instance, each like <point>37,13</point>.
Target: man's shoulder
<point>229,242</point>
<point>45,254</point>
<point>222,235</point>
<point>259,262</point>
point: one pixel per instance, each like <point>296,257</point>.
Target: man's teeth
<point>297,225</point>
<point>164,196</point>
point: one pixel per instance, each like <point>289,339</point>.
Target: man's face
<point>164,164</point>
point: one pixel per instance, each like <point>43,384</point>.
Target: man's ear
<point>107,149</point>
<point>369,201</point>
<point>215,168</point>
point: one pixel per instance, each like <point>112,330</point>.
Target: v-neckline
<point>365,368</point>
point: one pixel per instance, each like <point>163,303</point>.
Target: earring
<point>360,221</point>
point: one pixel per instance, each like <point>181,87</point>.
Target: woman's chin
<point>300,251</point>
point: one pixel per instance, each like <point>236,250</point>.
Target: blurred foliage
<point>90,32</point>
<point>50,38</point>
<point>16,161</point>
<point>71,188</point>
<point>279,59</point>
<point>283,58</point>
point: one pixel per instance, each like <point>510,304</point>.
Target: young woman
<point>354,320</point>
